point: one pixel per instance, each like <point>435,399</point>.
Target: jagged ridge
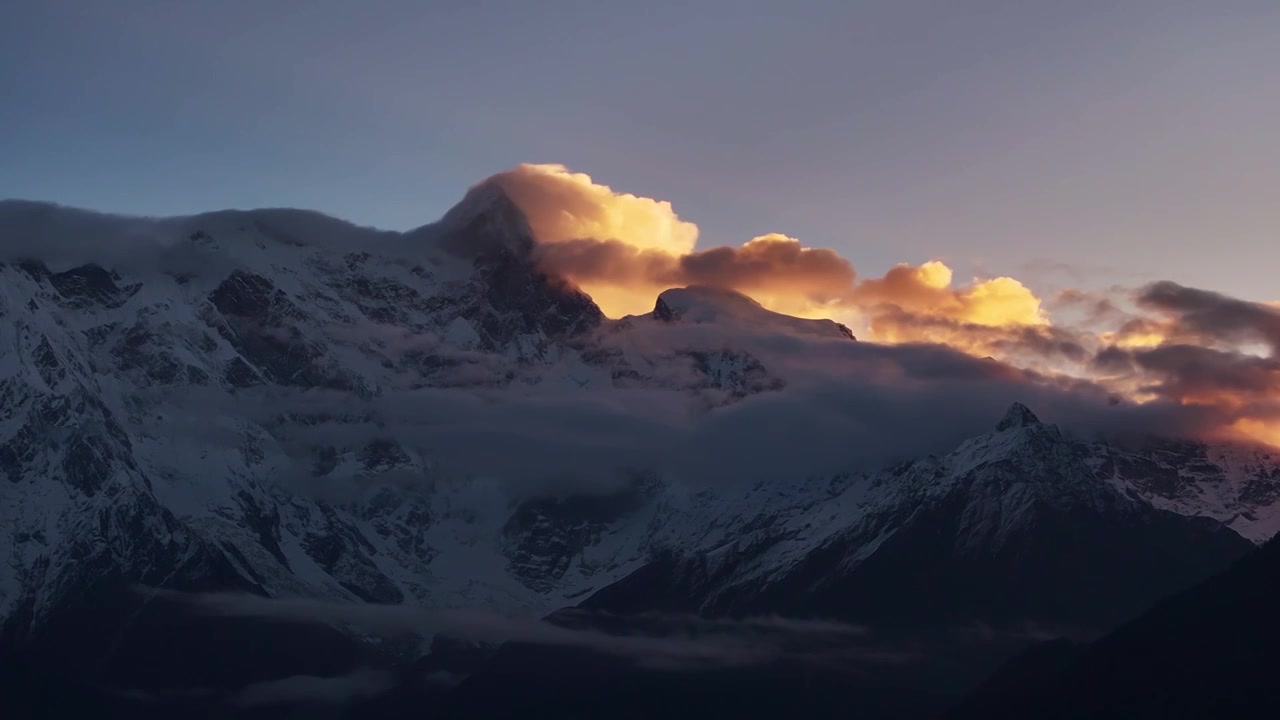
<point>139,443</point>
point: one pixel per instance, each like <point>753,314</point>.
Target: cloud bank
<point>813,403</point>
<point>1184,351</point>
<point>623,249</point>
<point>939,359</point>
<point>655,641</point>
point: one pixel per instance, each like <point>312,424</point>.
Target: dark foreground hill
<point>1208,652</point>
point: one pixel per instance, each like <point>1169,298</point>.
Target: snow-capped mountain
<point>1021,525</point>
<point>144,399</point>
<point>270,401</point>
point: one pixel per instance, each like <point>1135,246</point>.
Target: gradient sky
<point>1127,141</point>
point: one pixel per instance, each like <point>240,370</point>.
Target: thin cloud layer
<point>666,642</point>
<point>313,690</point>
<point>1211,318</point>
<point>830,405</point>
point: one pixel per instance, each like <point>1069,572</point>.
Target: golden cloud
<point>1176,344</point>
<point>623,250</point>
<point>563,205</point>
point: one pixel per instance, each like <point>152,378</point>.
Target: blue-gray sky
<point>1128,140</point>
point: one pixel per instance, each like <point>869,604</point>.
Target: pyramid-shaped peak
<point>1017,416</point>
<point>487,200</point>
<point>486,219</point>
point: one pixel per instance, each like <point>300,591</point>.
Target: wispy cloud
<point>654,641</point>
<point>314,690</point>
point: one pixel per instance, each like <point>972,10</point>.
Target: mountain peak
<point>1017,416</point>
<point>485,199</point>
<point>485,219</point>
<point>701,304</point>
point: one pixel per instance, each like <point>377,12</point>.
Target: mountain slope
<point>960,560</point>
<point>280,403</point>
<point>1206,652</point>
<point>1005,528</point>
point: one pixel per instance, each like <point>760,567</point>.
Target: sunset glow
<point>623,250</point>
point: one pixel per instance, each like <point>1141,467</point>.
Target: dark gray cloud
<point>836,406</point>
<point>842,406</point>
<point>1190,370</point>
<point>771,264</point>
<point>1213,317</point>
<point>1223,387</point>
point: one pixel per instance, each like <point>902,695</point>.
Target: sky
<point>1081,144</point>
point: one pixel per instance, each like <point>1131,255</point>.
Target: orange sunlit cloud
<point>562,205</point>
<point>1266,431</point>
<point>623,250</point>
<point>927,288</point>
<point>1180,345</point>
<point>919,304</point>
